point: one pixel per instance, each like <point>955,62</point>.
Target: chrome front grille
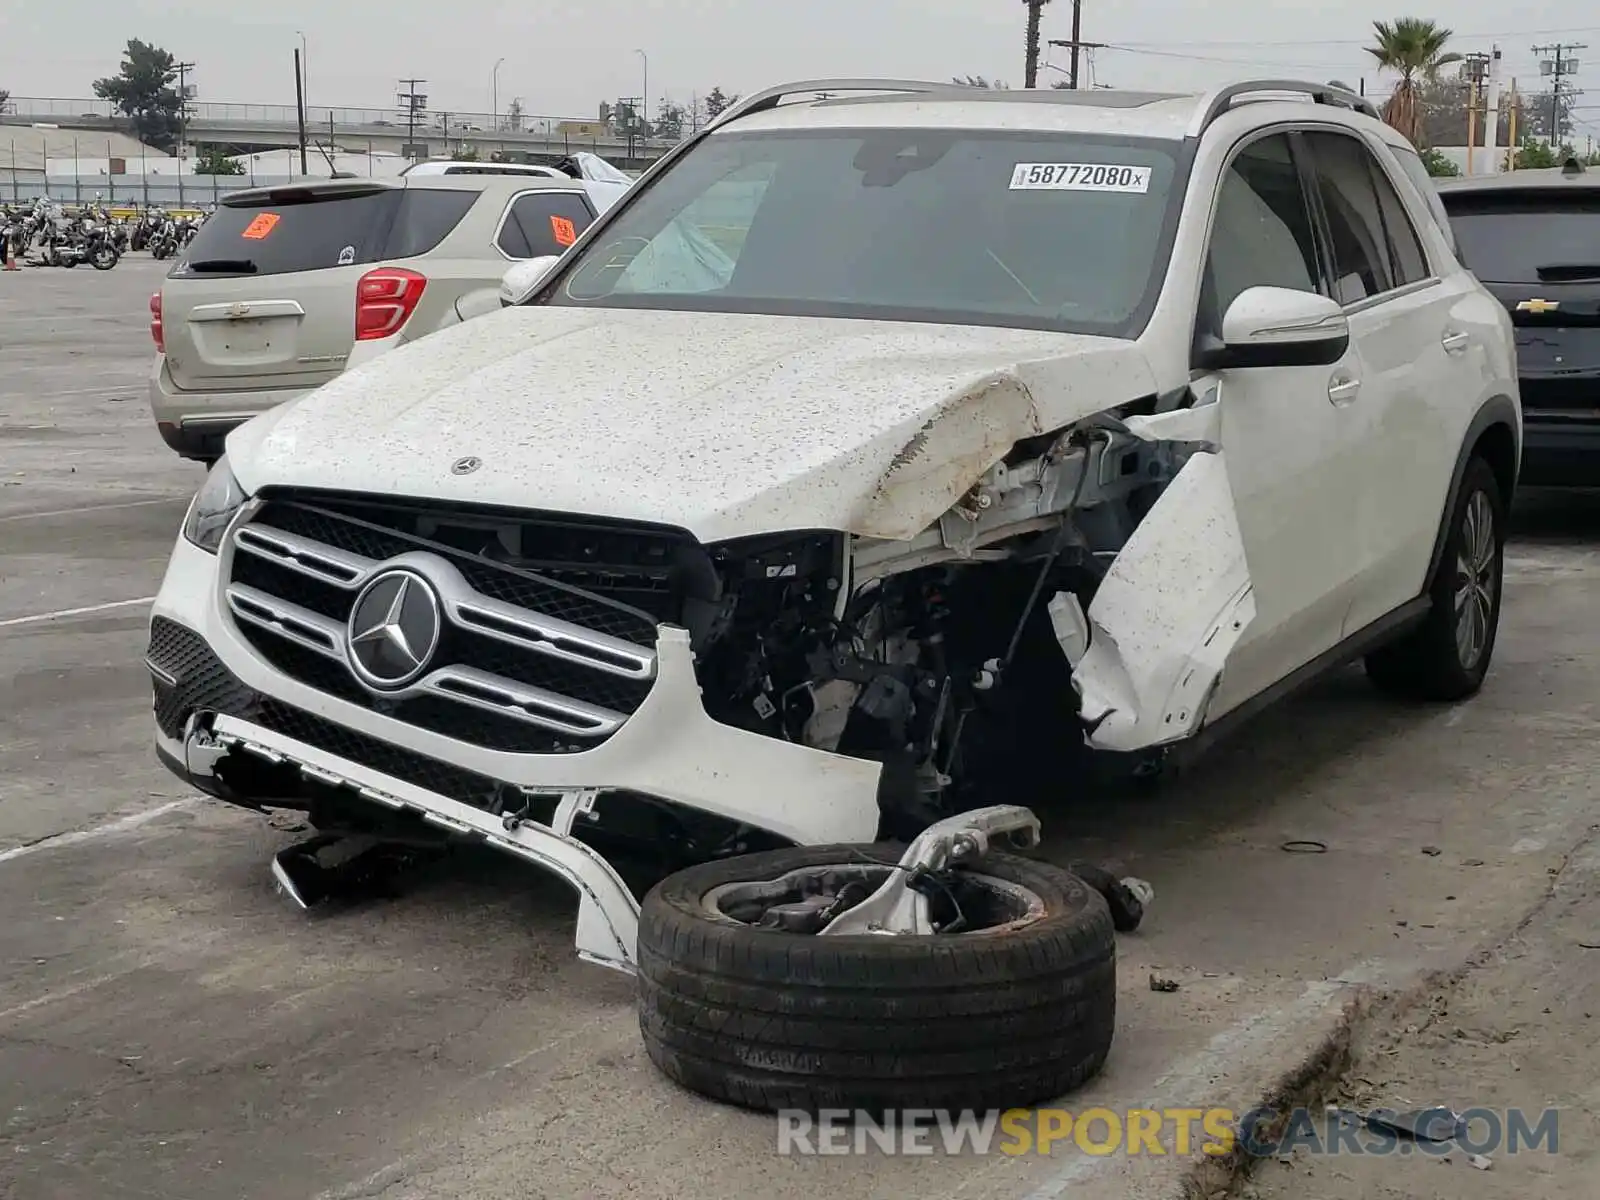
<point>523,663</point>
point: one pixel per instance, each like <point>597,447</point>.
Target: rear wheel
<point>1447,656</point>
<point>1016,1008</point>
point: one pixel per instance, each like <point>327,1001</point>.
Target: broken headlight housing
<point>213,508</point>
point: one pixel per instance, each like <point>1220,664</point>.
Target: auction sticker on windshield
<point>1080,177</point>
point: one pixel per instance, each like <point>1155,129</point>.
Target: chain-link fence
<point>165,191</point>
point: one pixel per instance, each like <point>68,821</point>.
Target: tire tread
<point>767,1020</point>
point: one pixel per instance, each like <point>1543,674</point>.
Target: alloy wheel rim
<point>987,905</point>
<point>1476,580</point>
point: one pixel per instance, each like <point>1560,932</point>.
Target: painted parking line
<point>78,836</point>
<point>62,613</point>
<point>86,508</point>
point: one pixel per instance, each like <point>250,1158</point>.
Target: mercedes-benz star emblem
<point>465,466</point>
<point>393,629</point>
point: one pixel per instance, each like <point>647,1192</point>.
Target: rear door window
<point>1528,238</point>
<point>309,233</point>
<point>1363,257</point>
<point>424,218</point>
<point>541,223</point>
<point>313,232</point>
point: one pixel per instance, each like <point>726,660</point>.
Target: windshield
<point>1532,239</point>
<point>966,227</point>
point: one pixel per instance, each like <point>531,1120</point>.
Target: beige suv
<point>284,285</point>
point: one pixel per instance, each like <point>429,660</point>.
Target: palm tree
<point>1030,62</point>
<point>1414,48</point>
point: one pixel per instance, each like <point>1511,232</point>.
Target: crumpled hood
<point>722,424</point>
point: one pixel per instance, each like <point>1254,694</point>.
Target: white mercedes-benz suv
<point>888,449</point>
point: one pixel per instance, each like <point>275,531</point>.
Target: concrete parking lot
<point>169,1027</point>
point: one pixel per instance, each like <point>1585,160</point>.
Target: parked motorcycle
<point>145,227</point>
<point>163,242</point>
<point>67,241</point>
<point>120,233</point>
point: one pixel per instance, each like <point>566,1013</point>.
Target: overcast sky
<point>564,56</point>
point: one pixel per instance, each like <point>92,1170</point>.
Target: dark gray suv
<point>1533,239</point>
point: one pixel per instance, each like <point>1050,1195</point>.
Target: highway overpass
<point>242,128</point>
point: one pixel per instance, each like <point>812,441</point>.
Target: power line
<point>1252,42</point>
<point>1076,45</point>
<point>1251,61</point>
<point>1121,48</point>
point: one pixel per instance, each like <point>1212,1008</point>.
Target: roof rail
<point>771,97</point>
<point>1223,99</point>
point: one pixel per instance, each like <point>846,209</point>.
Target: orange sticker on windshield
<point>566,232</point>
<point>260,227</point>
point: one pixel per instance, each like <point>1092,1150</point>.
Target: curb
<point>1307,1082</point>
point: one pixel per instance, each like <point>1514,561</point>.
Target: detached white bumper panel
<point>608,916</point>
<point>669,748</point>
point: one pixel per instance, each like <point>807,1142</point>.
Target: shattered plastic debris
<point>1161,984</point>
<point>1420,1125</point>
<point>340,867</point>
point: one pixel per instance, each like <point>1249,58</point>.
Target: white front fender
<point>1168,613</point>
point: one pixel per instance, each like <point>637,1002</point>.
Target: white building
<point>40,149</point>
<point>379,164</point>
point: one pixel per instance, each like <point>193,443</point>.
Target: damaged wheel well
<point>1497,446</point>
<point>939,655</point>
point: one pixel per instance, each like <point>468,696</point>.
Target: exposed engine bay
<point>942,657</point>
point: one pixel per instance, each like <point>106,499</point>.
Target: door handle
<point>1455,342</point>
<point>1343,388</point>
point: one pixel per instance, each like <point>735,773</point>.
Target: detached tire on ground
<point>766,1019</point>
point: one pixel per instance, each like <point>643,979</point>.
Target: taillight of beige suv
<point>282,283</point>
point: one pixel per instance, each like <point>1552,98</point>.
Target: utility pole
<point>183,70</point>
<point>300,110</point>
<point>1491,112</point>
<point>412,105</point>
<point>1557,67</point>
<point>1076,45</point>
<point>631,105</point>
<point>1474,68</point>
<point>1511,127</point>
<point>644,114</point>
